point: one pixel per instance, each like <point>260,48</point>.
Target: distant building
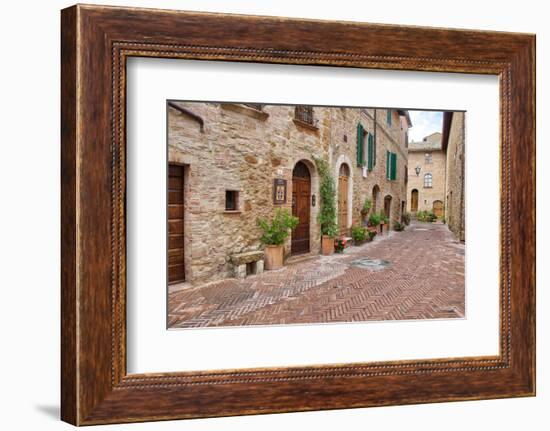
<point>427,171</point>
<point>436,174</point>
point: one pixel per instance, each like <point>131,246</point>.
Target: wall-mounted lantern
<point>313,200</point>
<point>417,170</point>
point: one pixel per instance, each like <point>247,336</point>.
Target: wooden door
<point>176,268</point>
<point>387,207</point>
<point>343,204</point>
<point>438,208</point>
<point>301,197</point>
<point>414,201</point>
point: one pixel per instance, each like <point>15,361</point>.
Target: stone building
<point>232,163</point>
<point>453,143</point>
<point>427,173</point>
<point>436,173</point>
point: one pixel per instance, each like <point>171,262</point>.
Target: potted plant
<point>367,205</point>
<point>359,235</point>
<point>374,221</point>
<point>327,209</point>
<point>339,245</point>
<point>406,218</point>
<point>274,234</point>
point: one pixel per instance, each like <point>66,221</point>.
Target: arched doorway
<point>387,206</point>
<point>375,193</point>
<point>437,208</point>
<point>343,183</point>
<point>301,197</point>
<point>414,200</point>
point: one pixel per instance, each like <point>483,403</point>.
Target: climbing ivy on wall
<point>327,192</point>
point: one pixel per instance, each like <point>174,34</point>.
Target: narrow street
<point>414,274</point>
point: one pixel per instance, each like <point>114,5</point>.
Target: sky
<point>424,123</point>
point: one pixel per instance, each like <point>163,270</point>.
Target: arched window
<point>344,170</point>
<point>427,180</point>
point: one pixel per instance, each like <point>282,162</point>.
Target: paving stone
<point>423,280</point>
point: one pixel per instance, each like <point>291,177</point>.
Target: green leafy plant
<point>398,226</point>
<point>372,234</point>
<point>426,216</point>
<point>339,245</point>
<point>383,217</point>
<point>367,205</point>
<point>277,230</point>
<point>327,192</point>
<point>406,218</point>
<point>358,233</point>
<point>374,219</point>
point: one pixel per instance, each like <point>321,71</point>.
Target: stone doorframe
<point>341,160</point>
<point>314,227</point>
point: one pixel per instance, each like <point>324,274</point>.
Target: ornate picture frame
<point>96,41</point>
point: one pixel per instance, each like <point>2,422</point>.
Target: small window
<point>231,200</point>
<point>256,106</point>
<point>304,114</point>
<point>388,116</point>
<point>428,180</point>
<point>428,158</point>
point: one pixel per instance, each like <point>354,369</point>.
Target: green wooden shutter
<point>360,144</point>
<point>388,116</point>
<point>370,151</point>
<point>388,157</point>
<point>374,150</point>
<point>393,166</point>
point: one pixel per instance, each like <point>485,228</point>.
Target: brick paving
<point>423,279</point>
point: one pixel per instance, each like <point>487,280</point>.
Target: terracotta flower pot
<point>327,245</point>
<point>273,257</point>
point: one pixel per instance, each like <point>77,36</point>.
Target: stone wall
<point>454,189</point>
<point>243,149</point>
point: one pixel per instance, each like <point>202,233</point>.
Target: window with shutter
<point>360,144</point>
<point>388,165</point>
<point>370,151</point>
<point>374,150</point>
<point>393,166</point>
<point>388,116</point>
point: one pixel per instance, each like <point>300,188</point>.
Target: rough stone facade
<point>428,158</point>
<point>454,186</point>
<point>241,148</point>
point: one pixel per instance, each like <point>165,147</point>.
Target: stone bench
<point>250,262</point>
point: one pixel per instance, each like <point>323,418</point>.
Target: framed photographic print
<point>265,215</point>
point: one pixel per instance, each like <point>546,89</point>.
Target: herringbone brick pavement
<point>424,279</point>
